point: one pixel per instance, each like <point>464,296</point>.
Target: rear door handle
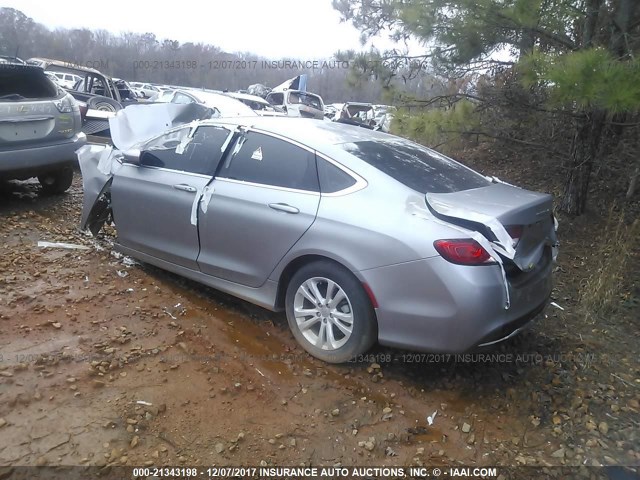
<point>185,188</point>
<point>283,207</point>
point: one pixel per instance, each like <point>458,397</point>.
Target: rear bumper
<point>435,306</point>
<point>28,161</point>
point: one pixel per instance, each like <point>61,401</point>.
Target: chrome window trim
<point>269,187</point>
<point>170,170</point>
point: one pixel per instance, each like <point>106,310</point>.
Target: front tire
<point>329,312</point>
<point>56,182</point>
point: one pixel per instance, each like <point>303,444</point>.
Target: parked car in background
<point>257,104</point>
<point>65,80</point>
<point>126,91</point>
<point>222,104</point>
<point>356,113</point>
<point>383,116</point>
<point>40,128</point>
<point>98,96</point>
<point>359,236</point>
<point>146,89</point>
<point>296,103</point>
<point>330,111</point>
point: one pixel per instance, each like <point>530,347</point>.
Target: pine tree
<point>584,52</point>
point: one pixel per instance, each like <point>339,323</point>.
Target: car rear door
<point>265,197</point>
<point>155,203</point>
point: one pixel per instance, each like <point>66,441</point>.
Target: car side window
<point>200,155</point>
<point>332,178</point>
<point>267,160</point>
<point>275,98</point>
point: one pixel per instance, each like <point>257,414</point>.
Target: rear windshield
<point>419,168</point>
<point>19,83</point>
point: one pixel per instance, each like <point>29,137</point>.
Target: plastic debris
<point>129,262</point>
<point>122,273</point>
<point>556,305</point>
<point>142,402</point>
<point>68,246</point>
<point>431,418</point>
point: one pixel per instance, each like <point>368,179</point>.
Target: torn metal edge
<point>478,237</point>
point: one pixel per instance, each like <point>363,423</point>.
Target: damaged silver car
<point>359,236</point>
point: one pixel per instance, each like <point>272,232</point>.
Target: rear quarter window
<point>417,167</point>
<point>333,179</point>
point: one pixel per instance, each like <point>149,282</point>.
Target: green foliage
<point>585,79</point>
<point>437,127</point>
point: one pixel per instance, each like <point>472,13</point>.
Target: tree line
<point>145,57</point>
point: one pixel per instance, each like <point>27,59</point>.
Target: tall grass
<point>603,292</point>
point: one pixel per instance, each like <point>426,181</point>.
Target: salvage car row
<point>357,235</point>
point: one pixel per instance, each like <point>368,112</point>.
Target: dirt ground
<point>106,362</point>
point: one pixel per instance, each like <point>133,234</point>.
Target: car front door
<point>155,203</point>
<point>265,197</point>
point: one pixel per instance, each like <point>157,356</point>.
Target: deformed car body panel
<point>497,206</point>
<point>129,128</point>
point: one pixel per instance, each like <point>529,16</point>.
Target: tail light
<point>83,109</point>
<point>65,104</point>
<point>515,232</point>
<point>463,251</point>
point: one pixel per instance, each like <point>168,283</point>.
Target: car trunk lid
<point>496,210</point>
<point>28,122</point>
<point>32,108</point>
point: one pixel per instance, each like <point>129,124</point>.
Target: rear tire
<point>56,182</point>
<point>329,312</point>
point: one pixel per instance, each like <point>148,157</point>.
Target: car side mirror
<point>132,156</point>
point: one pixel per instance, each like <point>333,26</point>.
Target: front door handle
<point>283,207</point>
<point>185,188</point>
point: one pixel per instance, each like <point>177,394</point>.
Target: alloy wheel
<point>323,313</point>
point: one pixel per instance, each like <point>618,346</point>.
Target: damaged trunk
<point>519,223</point>
<point>584,149</point>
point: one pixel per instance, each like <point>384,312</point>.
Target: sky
<point>301,29</point>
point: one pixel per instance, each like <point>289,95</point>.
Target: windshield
<point>417,167</point>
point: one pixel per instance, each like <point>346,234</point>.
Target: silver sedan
<point>359,236</point>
